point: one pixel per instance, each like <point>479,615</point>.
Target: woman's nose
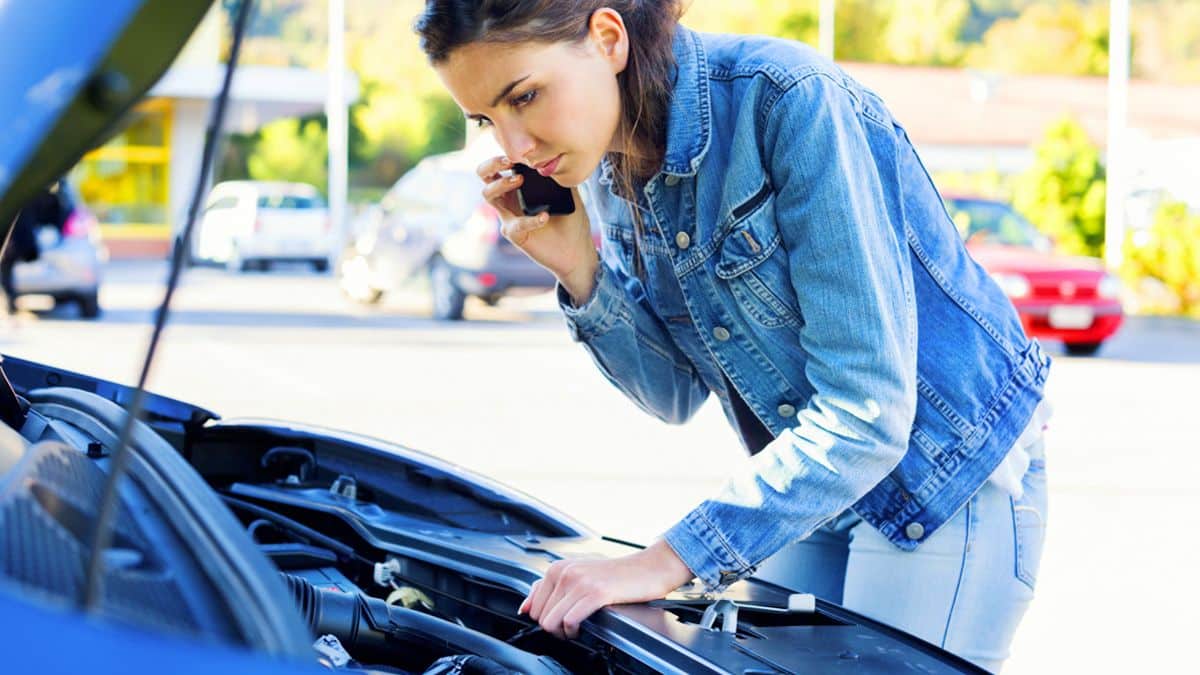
<point>516,143</point>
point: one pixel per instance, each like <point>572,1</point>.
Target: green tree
<point>766,17</point>
<point>410,115</point>
<point>1066,38</point>
<point>402,114</point>
<point>291,149</point>
<point>857,28</point>
<point>927,32</point>
<point>1063,191</point>
<point>985,13</point>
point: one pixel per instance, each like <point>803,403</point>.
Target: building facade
<point>140,183</point>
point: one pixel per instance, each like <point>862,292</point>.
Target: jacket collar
<point>689,112</point>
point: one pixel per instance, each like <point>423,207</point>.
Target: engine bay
<point>323,547</point>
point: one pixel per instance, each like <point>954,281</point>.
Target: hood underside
<point>73,70</point>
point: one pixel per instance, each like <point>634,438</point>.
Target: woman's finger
<point>585,606</point>
<point>538,596</point>
<point>496,190</point>
<point>500,194</point>
<point>517,230</point>
<point>491,167</point>
<point>571,582</point>
<point>556,610</point>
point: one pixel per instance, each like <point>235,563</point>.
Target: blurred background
<point>1009,100</point>
<point>344,271</point>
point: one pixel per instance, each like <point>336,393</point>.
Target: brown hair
<point>644,83</point>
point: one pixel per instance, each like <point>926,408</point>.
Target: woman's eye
<point>482,122</point>
<point>524,99</point>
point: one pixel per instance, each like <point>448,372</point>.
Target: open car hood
<point>72,69</point>
<point>240,542</point>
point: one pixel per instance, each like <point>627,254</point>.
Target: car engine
<point>219,562</point>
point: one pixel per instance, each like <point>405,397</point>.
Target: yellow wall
<point>126,182</point>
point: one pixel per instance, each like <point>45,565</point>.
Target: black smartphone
<point>540,193</point>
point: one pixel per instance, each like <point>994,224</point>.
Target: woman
<point>772,238</point>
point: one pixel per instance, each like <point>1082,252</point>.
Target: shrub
<point>1062,193</point>
<point>1168,257</point>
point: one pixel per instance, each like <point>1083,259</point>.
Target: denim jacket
<point>799,262</point>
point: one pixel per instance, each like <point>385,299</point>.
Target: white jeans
<point>964,589</point>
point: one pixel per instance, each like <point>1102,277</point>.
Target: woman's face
<point>553,106</point>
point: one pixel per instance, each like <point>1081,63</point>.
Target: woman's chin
<point>570,176</point>
<point>568,179</point>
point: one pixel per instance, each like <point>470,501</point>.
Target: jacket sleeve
<point>851,273</point>
<point>632,347</point>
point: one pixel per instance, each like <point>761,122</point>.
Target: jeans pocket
<point>1029,523</point>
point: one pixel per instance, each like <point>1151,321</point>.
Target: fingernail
<point>543,217</point>
<point>505,161</point>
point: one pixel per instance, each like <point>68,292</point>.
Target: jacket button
<point>915,531</point>
<point>786,410</point>
<point>721,333</point>
<point>682,240</point>
<point>672,181</point>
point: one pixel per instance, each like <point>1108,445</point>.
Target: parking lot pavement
<point>509,395</point>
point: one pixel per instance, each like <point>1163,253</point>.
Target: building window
<point>126,182</point>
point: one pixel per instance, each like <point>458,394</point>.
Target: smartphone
<point>540,193</point>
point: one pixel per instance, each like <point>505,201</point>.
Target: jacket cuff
<point>598,312</point>
<point>701,547</point>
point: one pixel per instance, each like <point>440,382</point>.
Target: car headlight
<point>1014,285</point>
<point>1109,288</point>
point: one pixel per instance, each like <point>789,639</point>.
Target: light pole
<point>336,116</point>
<point>825,25</point>
<point>1116,157</point>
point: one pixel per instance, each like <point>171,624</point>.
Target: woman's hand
<point>573,589</point>
<point>561,244</point>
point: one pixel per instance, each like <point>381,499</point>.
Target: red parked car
<point>1059,297</point>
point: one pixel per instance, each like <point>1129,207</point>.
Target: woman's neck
<point>642,161</point>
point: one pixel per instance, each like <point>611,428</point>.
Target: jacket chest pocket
<point>754,266</point>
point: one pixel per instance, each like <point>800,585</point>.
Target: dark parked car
<point>251,546</point>
<point>434,222</point>
<point>70,254</point>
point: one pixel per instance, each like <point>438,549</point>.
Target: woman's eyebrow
<point>511,85</point>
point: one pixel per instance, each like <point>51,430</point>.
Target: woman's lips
<point>548,168</point>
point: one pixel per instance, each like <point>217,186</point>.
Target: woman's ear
<point>606,30</point>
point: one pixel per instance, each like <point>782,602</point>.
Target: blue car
<point>271,547</point>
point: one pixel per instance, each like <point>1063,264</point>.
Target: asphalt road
<point>509,395</point>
